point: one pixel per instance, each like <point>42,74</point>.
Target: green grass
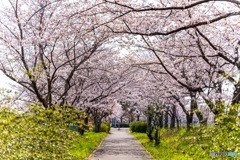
<point>190,145</point>
<point>84,145</point>
<point>166,150</point>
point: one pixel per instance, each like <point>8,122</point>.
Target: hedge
<point>138,126</point>
<point>39,134</point>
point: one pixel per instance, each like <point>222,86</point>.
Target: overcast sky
<point>4,81</point>
<point>3,2</point>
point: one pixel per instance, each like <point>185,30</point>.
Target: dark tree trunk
<point>97,125</point>
<point>121,119</point>
<point>161,120</point>
<point>138,117</point>
<point>166,119</point>
<point>236,94</point>
<point>81,131</point>
<point>194,107</point>
<point>199,115</point>
<point>149,124</point>
<point>86,120</point>
<point>189,118</point>
<point>236,100</point>
<point>215,108</point>
<point>173,118</point>
<point>149,133</point>
<point>172,124</point>
<point>178,123</point>
<point>157,137</point>
<point>86,123</point>
<point>202,121</point>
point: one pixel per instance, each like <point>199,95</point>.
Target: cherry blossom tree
<point>45,47</point>
<point>196,43</point>
<point>180,53</point>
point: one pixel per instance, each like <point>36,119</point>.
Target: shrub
<point>124,125</point>
<point>138,126</point>
<point>39,134</point>
<point>105,127</point>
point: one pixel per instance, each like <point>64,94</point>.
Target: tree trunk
<point>202,121</point>
<point>198,112</point>
<point>193,107</point>
<point>215,108</point>
<point>149,124</point>
<point>172,124</point>
<point>189,118</point>
<point>236,100</point>
<point>178,123</point>
<point>86,123</point>
<point>166,120</point>
<point>81,131</point>
<point>161,120</point>
<point>236,94</point>
<point>173,118</point>
<point>97,125</point>
<point>138,117</point>
<point>149,132</point>
<point>157,137</point>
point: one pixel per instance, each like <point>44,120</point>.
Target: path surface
<point>120,145</point>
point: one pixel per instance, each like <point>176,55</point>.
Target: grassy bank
<point>192,145</point>
<point>168,149</point>
<point>83,146</point>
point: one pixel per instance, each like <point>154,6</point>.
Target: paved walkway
<point>120,145</point>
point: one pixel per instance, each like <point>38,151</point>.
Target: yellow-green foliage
<point>39,134</point>
<point>105,127</point>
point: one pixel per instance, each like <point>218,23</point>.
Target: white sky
<point>3,2</point>
<point>5,81</point>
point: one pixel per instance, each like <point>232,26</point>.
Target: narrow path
<point>120,145</point>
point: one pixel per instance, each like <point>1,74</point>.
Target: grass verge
<point>84,145</point>
<point>191,145</point>
<point>166,150</point>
